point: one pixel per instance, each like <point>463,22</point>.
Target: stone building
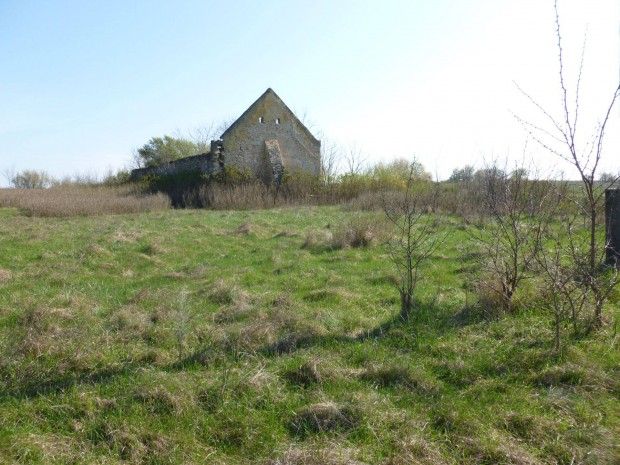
<point>267,138</point>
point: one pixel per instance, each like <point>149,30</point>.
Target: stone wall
<point>268,139</point>
<point>269,119</point>
<point>205,163</point>
<point>612,223</point>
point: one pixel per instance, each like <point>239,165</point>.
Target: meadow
<point>261,336</point>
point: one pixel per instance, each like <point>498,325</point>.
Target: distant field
<point>193,336</point>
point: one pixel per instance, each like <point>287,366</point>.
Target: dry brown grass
<point>5,275</point>
<point>62,201</point>
<point>310,456</point>
<point>358,232</point>
<point>307,374</point>
<point>226,294</point>
<point>416,451</point>
<point>250,196</point>
<point>317,238</point>
<point>245,228</point>
<point>132,445</point>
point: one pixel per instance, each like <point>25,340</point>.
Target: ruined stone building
<point>267,138</point>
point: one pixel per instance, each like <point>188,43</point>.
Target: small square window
<point>261,119</point>
<point>277,120</point>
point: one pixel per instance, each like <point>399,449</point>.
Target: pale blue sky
<point>84,83</point>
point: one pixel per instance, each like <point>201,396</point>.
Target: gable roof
<point>270,91</point>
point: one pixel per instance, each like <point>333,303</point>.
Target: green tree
<point>31,179</point>
<point>462,174</point>
<point>160,150</point>
<point>397,173</point>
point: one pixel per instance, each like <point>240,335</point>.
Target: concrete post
<point>612,226</point>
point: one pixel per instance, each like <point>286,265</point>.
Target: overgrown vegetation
<point>81,200</point>
<point>196,336</point>
<point>245,335</point>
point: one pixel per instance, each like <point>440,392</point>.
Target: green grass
<point>248,337</point>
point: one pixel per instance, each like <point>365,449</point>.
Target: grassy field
<point>192,336</point>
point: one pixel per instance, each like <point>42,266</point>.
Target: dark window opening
<point>261,119</point>
<point>277,120</point>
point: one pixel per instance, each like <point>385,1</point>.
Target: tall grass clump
<point>75,200</point>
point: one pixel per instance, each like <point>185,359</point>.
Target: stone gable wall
<point>244,142</point>
<point>268,139</point>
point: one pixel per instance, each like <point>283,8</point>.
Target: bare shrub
<point>74,200</point>
<point>519,213</point>
<point>565,137</point>
<point>415,237</point>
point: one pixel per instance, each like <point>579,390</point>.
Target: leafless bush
<point>81,201</point>
<point>572,290</point>
<point>415,238</point>
<point>565,137</point>
<point>520,211</point>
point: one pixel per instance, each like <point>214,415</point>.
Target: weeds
<point>204,354</point>
<point>64,201</point>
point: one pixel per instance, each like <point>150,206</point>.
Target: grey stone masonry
<point>274,156</point>
<point>612,226</point>
<point>267,139</point>
<point>205,163</point>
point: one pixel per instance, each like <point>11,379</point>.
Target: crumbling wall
<point>269,119</point>
<point>205,163</point>
<point>268,139</point>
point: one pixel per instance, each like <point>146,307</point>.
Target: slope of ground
<point>253,337</point>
